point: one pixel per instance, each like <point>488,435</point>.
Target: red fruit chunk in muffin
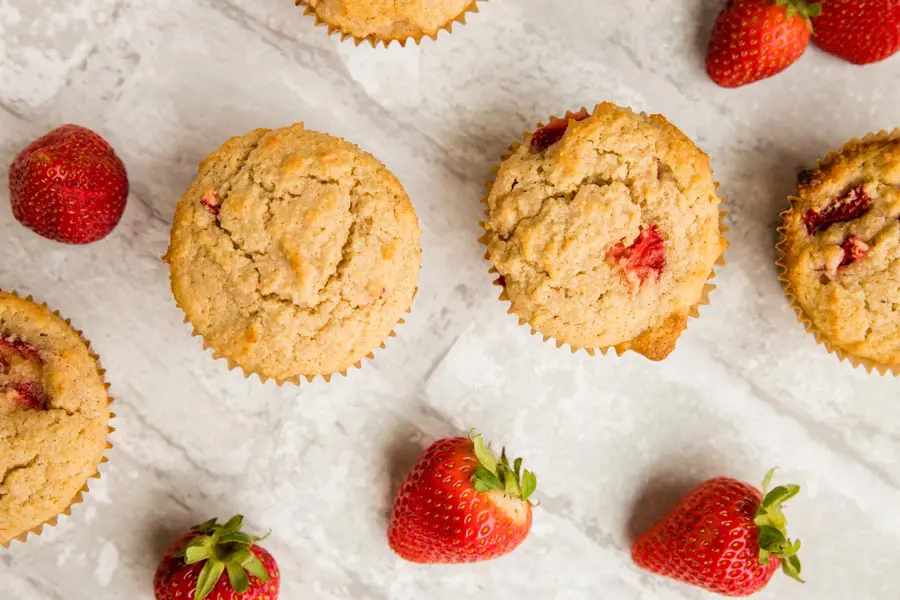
<point>854,249</point>
<point>554,131</point>
<point>29,396</point>
<point>848,207</point>
<point>20,348</point>
<point>20,372</point>
<point>210,202</point>
<point>646,256</point>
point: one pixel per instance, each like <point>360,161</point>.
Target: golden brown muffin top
<point>388,20</point>
<point>54,415</point>
<point>842,248</point>
<point>605,229</point>
<point>294,253</point>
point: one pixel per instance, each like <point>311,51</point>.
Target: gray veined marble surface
<point>613,440</point>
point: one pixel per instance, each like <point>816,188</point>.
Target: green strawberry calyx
<point>497,474</point>
<point>770,519</point>
<point>224,548</point>
<point>804,9</point>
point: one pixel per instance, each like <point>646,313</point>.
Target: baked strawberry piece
<point>21,371</point>
<point>554,131</point>
<point>724,536</point>
<point>852,205</point>
<point>461,504</point>
<point>644,258</point>
<point>210,202</point>
<point>217,562</point>
<point>69,186</point>
<point>854,249</point>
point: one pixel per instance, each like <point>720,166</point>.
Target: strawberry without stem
<point>724,536</point>
<point>217,562</point>
<point>20,374</point>
<point>852,205</point>
<point>69,186</point>
<point>756,39</point>
<point>461,504</point>
<point>554,131</point>
<point>860,31</point>
<point>645,257</point>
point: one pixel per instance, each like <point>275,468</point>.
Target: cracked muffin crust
<point>294,253</point>
<point>604,229</point>
<point>389,20</point>
<point>841,247</point>
<point>54,416</point>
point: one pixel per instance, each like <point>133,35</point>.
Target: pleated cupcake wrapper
<point>620,348</point>
<point>375,41</point>
<point>79,497</point>
<point>297,380</point>
<point>787,286</point>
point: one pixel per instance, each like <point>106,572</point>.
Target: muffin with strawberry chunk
<point>840,243</point>
<point>54,417</point>
<point>604,229</point>
<point>294,253</point>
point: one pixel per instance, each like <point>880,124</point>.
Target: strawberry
<point>554,131</point>
<point>852,205</point>
<point>20,374</point>
<point>461,504</point>
<point>859,31</point>
<point>19,348</point>
<point>854,249</point>
<point>68,186</point>
<point>724,536</point>
<point>645,256</point>
<point>194,566</point>
<point>756,39</point>
<point>28,396</point>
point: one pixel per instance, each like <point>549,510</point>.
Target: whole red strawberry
<point>756,39</point>
<point>724,536</point>
<point>195,566</point>
<point>461,504</point>
<point>69,186</point>
<point>860,31</point>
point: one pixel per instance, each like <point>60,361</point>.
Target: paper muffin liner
<point>297,379</point>
<point>788,288</point>
<point>79,496</point>
<point>622,347</point>
<point>375,41</point>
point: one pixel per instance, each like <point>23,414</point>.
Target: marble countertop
<point>613,441</point>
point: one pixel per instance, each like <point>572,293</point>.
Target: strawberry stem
<point>772,523</point>
<point>802,8</point>
<point>224,548</point>
<point>494,474</point>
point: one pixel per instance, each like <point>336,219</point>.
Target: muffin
<point>385,21</point>
<point>840,247</point>
<point>294,253</point>
<point>54,417</point>
<point>604,229</point>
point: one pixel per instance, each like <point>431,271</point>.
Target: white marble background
<point>613,440</point>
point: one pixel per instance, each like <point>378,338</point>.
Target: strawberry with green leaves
<point>217,562</point>
<point>756,39</point>
<point>725,536</point>
<point>461,504</point>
